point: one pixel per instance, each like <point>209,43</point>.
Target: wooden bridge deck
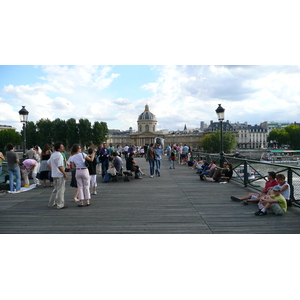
<point>176,202</point>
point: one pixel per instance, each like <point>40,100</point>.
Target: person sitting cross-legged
<point>254,197</point>
<point>276,202</point>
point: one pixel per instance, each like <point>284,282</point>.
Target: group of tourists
<point>178,153</point>
<point>52,165</point>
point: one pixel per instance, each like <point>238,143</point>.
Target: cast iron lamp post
<point>24,119</point>
<point>220,113</point>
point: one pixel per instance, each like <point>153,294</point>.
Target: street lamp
<point>220,113</point>
<point>23,113</point>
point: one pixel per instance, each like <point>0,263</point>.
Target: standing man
<point>104,154</point>
<point>30,153</point>
<point>126,151</point>
<point>59,176</point>
<point>184,155</point>
<point>13,168</point>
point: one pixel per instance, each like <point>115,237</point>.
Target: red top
<point>269,184</point>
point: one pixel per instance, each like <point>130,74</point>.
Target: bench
<point>119,174</point>
<point>127,174</point>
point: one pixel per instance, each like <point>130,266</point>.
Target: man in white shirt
<point>59,177</point>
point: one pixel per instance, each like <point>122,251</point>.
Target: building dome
<point>147,115</point>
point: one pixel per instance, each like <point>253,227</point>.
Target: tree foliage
<point>85,132</point>
<point>68,132</point>
<point>31,134</point>
<point>9,136</point>
<point>72,132</point>
<point>289,135</point>
<point>211,142</point>
<point>45,131</point>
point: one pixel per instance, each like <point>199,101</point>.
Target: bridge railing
<point>254,173</point>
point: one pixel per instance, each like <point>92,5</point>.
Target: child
<point>276,201</point>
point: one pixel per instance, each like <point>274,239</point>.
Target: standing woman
<point>172,157</point>
<point>44,170</point>
<point>1,159</point>
<point>92,171</point>
<point>13,168</point>
<point>158,155</point>
<point>99,164</point>
<point>82,173</point>
<point>151,157</point>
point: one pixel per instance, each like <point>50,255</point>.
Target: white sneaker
<point>94,193</point>
<point>151,176</point>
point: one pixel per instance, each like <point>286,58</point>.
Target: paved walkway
<point>176,202</point>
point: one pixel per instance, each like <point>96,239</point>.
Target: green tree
<point>211,142</point>
<point>72,132</point>
<point>280,136</point>
<point>45,132</point>
<point>59,128</point>
<point>286,136</point>
<point>9,136</point>
<point>99,133</point>
<point>32,138</point>
<point>85,132</point>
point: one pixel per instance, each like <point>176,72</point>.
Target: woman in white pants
<point>82,174</point>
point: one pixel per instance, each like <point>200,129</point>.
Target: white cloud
<point>65,79</point>
<point>8,115</point>
<point>181,95</point>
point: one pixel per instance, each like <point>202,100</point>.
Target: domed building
<point>146,121</point>
<point>147,132</point>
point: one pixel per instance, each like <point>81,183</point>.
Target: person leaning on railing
<point>254,197</point>
<point>285,188</point>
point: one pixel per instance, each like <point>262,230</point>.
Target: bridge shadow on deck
<point>176,202</point>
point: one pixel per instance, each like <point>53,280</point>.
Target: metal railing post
<point>245,173</point>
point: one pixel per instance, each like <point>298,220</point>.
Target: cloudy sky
<point>176,94</point>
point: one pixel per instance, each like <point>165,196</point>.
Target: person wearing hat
<point>276,202</point>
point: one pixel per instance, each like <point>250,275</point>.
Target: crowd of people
<point>51,164</point>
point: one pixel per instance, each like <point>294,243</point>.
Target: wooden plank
<point>176,202</point>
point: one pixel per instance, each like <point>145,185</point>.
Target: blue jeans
<point>105,164</point>
<point>151,163</point>
<point>157,170</point>
<point>14,171</point>
<point>0,170</point>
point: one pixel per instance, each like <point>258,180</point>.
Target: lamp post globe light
<point>220,113</point>
<point>23,113</point>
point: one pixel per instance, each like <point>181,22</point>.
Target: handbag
<point>85,161</point>
<point>112,171</point>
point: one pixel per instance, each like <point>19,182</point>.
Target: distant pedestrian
<point>104,155</point>
<point>99,160</point>
<point>172,158</point>
<point>59,177</point>
<point>73,182</point>
<point>13,168</point>
<point>158,156</point>
<point>150,157</point>
<point>1,159</point>
<point>45,173</point>
<point>92,171</point>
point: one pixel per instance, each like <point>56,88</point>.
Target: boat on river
<point>239,173</point>
<point>281,157</point>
